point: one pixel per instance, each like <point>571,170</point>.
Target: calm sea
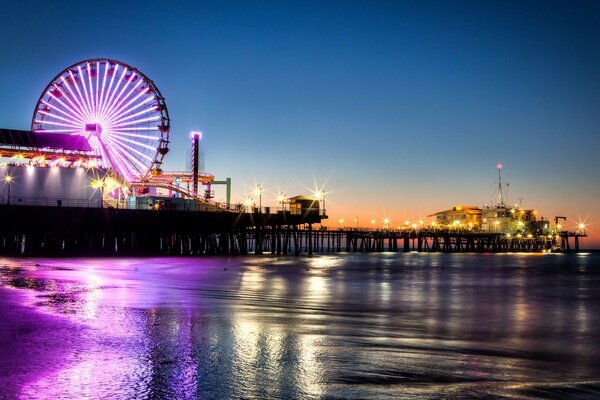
<point>414,326</point>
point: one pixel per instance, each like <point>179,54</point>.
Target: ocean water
<point>356,326</point>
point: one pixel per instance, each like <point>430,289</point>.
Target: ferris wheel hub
<point>94,128</point>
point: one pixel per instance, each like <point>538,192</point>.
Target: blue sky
<point>403,108</point>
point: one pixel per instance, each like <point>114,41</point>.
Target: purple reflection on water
<point>349,326</point>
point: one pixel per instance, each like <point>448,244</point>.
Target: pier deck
<point>76,231</point>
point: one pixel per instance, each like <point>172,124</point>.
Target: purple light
<point>119,120</point>
<point>196,135</point>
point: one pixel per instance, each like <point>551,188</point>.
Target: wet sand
<point>386,326</point>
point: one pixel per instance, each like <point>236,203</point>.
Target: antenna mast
<point>500,195</point>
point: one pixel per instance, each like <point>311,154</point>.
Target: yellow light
<point>318,194</point>
<point>497,223</point>
<point>521,223</point>
<point>549,236</point>
<point>372,221</point>
<point>458,208</point>
<point>581,226</point>
<point>559,226</point>
<point>386,221</point>
<point>280,198</point>
<point>421,222</point>
<point>508,235</point>
<point>529,235</point>
<point>414,225</point>
<point>8,178</point>
<point>407,222</point>
<point>341,220</point>
<point>519,235</point>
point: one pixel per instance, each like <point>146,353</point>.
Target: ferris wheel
<point>119,111</point>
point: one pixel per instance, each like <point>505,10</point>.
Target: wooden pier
<point>73,231</point>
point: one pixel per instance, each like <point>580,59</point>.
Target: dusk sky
<point>400,109</point>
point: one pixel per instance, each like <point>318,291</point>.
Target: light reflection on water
<point>343,326</point>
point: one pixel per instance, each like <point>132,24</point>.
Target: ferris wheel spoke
<point>139,121</point>
<point>57,124</point>
<point>81,101</point>
<point>74,108</point>
<point>103,85</point>
<point>109,104</point>
<point>134,142</point>
<point>132,164</point>
<point>112,79</point>
<point>118,140</point>
<point>124,166</point>
<point>116,99</point>
<point>70,131</point>
<point>54,116</point>
<point>87,97</point>
<point>132,116</point>
<point>135,107</point>
<point>141,128</point>
<point>137,135</point>
<point>97,85</point>
<point>124,110</point>
<point>58,109</point>
<point>128,156</point>
<point>89,77</point>
<point>73,100</point>
<point>119,106</point>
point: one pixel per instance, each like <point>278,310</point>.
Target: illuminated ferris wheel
<point>115,107</point>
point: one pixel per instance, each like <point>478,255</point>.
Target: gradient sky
<point>400,108</point>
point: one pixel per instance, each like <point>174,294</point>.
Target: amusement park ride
<point>102,113</point>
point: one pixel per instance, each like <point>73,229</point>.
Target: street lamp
<point>258,192</point>
<point>341,222</point>
<point>247,204</point>
<point>372,223</point>
<point>386,223</point>
<point>8,179</point>
<point>99,184</point>
<point>356,221</point>
<point>281,200</point>
<point>320,195</point>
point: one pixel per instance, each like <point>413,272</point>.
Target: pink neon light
<point>138,105</point>
<point>87,95</point>
<point>123,110</point>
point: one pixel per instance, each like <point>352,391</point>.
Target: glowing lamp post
<point>320,195</point>
<point>247,203</point>
<point>258,192</point>
<point>281,200</point>
<point>8,179</point>
<point>386,223</point>
<point>356,221</point>
<point>99,184</point>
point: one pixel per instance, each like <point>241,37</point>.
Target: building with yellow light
<point>460,217</point>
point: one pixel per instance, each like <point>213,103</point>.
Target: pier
<point>85,231</point>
